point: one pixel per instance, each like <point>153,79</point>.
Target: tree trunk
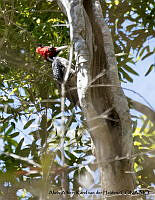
<point>101,97</point>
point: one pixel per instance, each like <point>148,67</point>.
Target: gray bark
<point>105,108</point>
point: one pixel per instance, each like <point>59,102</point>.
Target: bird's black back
<point>58,70</point>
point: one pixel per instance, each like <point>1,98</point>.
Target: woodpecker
<point>59,68</point>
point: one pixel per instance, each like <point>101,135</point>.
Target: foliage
<point>30,115</point>
<point>144,138</point>
<point>132,26</point>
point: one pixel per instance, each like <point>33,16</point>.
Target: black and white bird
<point>59,68</point>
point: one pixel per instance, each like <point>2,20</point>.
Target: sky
<point>144,85</point>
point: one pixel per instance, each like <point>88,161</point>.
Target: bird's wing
<point>65,64</point>
<point>58,69</point>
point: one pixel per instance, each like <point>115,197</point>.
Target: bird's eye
<point>51,49</point>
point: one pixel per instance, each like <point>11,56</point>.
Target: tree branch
<point>143,109</point>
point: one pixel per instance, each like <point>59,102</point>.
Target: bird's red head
<point>48,51</point>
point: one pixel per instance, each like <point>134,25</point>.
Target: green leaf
<point>13,91</point>
<point>71,156</point>
<point>78,151</point>
<point>5,125</point>
<point>18,149</point>
<point>125,75</point>
<point>129,69</point>
<point>142,51</point>
<point>14,135</point>
<point>147,55</point>
<point>130,27</point>
<point>25,152</point>
<point>28,123</point>
<point>136,143</point>
<point>12,142</point>
<point>10,101</point>
<point>144,125</point>
<point>150,69</point>
<point>13,124</point>
<point>9,130</point>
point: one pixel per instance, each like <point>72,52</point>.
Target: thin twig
<point>110,85</point>
<point>21,158</point>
